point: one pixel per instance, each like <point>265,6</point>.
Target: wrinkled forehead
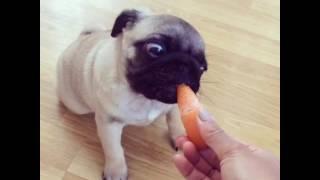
<point>171,26</point>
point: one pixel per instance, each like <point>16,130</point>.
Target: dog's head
<point>161,52</point>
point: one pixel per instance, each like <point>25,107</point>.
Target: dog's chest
<point>135,109</point>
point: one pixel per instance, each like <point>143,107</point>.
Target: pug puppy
<point>129,76</point>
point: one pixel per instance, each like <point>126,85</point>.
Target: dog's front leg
<point>109,131</point>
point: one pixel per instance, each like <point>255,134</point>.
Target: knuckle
<point>214,132</point>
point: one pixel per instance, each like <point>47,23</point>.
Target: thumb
<point>215,137</point>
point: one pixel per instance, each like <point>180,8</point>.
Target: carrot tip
<point>189,110</point>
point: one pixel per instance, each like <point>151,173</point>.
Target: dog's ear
<point>125,19</point>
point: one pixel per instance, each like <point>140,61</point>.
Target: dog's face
<point>161,52</point>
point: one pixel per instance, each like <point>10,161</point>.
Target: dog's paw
<point>175,137</point>
<point>173,144</point>
<point>115,171</point>
<point>121,176</point>
<point>176,142</point>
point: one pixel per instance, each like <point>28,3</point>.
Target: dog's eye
<point>155,50</point>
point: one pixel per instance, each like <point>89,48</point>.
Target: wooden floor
<point>241,87</point>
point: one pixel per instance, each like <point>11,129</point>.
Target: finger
<point>211,157</point>
<point>189,172</point>
<point>183,165</point>
<point>191,153</point>
<point>180,141</point>
<point>197,175</point>
<point>215,174</point>
<point>187,169</point>
<point>215,137</point>
<point>208,154</point>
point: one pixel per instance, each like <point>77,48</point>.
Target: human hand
<point>225,158</point>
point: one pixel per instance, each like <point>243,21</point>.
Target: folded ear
<point>125,19</point>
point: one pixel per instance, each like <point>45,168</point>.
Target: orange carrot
<point>189,110</point>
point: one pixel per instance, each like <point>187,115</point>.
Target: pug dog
<point>129,76</point>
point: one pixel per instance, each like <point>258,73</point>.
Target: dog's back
<point>74,70</point>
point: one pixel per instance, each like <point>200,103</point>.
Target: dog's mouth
<point>159,80</point>
<point>167,94</point>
